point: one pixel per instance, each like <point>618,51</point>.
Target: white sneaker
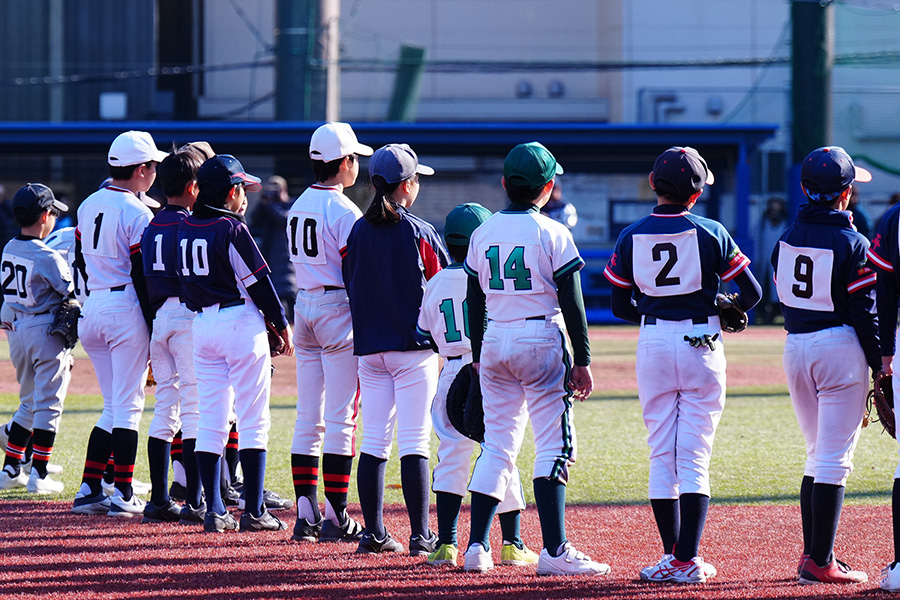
<point>52,469</point>
<point>478,559</point>
<point>120,507</point>
<point>88,504</point>
<point>8,481</point>
<point>695,571</point>
<point>137,486</point>
<point>569,562</point>
<point>47,485</point>
<point>4,437</point>
<point>890,578</point>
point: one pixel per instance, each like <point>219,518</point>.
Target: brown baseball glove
<point>276,344</point>
<point>881,397</point>
<point>732,316</point>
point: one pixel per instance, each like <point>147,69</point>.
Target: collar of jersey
<point>205,211</point>
<point>819,213</point>
<point>515,207</point>
<point>669,210</point>
<point>175,208</point>
<point>319,186</point>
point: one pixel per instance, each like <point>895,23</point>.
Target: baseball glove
<point>732,316</point>
<point>882,397</point>
<point>464,408</point>
<point>65,322</point>
<point>276,344</point>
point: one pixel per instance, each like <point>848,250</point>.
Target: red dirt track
<point>48,553</point>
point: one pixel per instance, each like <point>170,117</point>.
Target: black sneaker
<point>177,492</point>
<point>166,513</point>
<point>230,496</point>
<point>304,531</point>
<point>191,515</point>
<point>348,531</point>
<point>421,545</point>
<point>213,523</point>
<point>266,522</point>
<point>369,544</point>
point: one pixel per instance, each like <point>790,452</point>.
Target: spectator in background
<point>269,227</point>
<point>560,210</point>
<point>860,217</point>
<point>772,225</point>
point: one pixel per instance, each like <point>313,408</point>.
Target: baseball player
<point>666,270</point>
<point>35,281</point>
<point>114,326</point>
<point>318,225</point>
<point>444,320</point>
<point>171,345</point>
<point>523,269</point>
<point>226,281</point>
<point>828,297</point>
<point>390,255</point>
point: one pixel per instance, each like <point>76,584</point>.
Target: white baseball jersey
<point>443,315</point>
<point>63,241</point>
<point>318,225</point>
<point>34,277</point>
<point>518,261</point>
<point>111,222</point>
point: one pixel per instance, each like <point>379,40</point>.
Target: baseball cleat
<point>265,522</point>
<point>890,578</point>
<point>213,523</point>
<point>120,507</point>
<point>10,480</point>
<point>446,554</point>
<point>230,496</point>
<point>137,487</point>
<point>349,531</point>
<point>304,531</point>
<point>272,501</point>
<point>420,545</point>
<point>43,485</point>
<point>803,558</point>
<point>165,513</point>
<point>670,569</point>
<point>177,491</point>
<point>4,437</point>
<point>511,554</point>
<point>369,544</point>
<point>478,559</point>
<point>834,572</point>
<point>191,515</point>
<point>569,562</point>
<point>52,468</point>
<point>87,503</point>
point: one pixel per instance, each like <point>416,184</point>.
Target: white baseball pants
<point>42,371</point>
<point>172,359</point>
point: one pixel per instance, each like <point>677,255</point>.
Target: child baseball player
<point>666,270</point>
<point>523,269</point>
<point>319,223</point>
<point>36,281</point>
<point>828,298</point>
<point>443,320</point>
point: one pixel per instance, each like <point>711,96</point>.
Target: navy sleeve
<point>620,302</point>
<point>140,287</point>
<point>475,300</point>
<point>751,292</point>
<point>571,303</point>
<point>266,299</point>
<point>886,295</point>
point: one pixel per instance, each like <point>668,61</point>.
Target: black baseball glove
<point>65,321</point>
<point>464,408</point>
<point>732,316</point>
<point>882,397</point>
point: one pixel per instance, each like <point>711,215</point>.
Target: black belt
<point>118,288</point>
<point>332,288</point>
<point>651,320</point>
<point>540,318</point>
<point>230,303</point>
<point>454,357</point>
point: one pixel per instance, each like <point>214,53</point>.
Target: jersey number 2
<point>662,278</point>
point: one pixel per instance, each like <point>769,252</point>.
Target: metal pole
<point>329,46</point>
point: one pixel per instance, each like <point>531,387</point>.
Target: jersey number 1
<point>453,334</point>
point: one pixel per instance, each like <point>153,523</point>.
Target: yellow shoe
<point>446,554</point>
<point>512,555</point>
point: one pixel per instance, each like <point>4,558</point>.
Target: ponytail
<point>383,210</point>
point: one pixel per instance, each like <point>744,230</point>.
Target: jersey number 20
<point>15,280</point>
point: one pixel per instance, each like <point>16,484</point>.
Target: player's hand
<point>887,365</point>
<point>582,382</point>
<point>288,338</point>
<point>477,368</point>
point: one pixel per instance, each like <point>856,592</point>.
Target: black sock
<point>253,464</point>
<point>177,449</point>
<point>43,440</point>
<point>231,454</point>
<point>336,479</point>
<point>370,485</point>
<point>158,452</point>
<point>305,473</point>
<point>29,448</point>
<point>806,488</point>
<point>448,515</point>
<point>827,500</point>
<point>125,452</point>
<point>550,497</point>
<point>109,473</point>
<point>98,450</point>
<point>694,508</point>
<point>210,467</point>
<point>15,447</point>
<point>193,487</point>
<point>509,528</point>
<point>414,478</point>
<point>668,521</point>
<point>483,509</point>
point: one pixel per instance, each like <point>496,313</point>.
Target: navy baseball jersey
<point>674,260</point>
<point>159,251</point>
<point>884,254</point>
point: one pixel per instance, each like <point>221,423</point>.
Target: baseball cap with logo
<point>827,171</point>
<point>462,221</point>
<point>134,148</point>
<point>530,165</point>
<point>681,171</point>
<point>395,163</point>
<point>36,196</point>
<point>223,171</point>
<point>332,141</point>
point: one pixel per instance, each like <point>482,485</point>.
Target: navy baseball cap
<point>37,195</point>
<point>827,171</point>
<point>530,165</point>
<point>681,172</point>
<point>395,163</point>
<point>462,221</point>
<point>223,171</point>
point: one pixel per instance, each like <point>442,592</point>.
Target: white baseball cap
<point>134,148</point>
<point>332,141</point>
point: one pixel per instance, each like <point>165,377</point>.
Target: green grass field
<point>757,459</point>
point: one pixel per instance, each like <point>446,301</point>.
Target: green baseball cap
<point>531,165</point>
<point>462,221</point>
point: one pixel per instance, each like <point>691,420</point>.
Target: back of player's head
<point>828,171</point>
<point>176,171</point>
<point>527,169</point>
<point>328,147</point>
<point>218,175</point>
<point>459,225</point>
<point>203,149</point>
<point>129,150</point>
<point>390,166</point>
<point>32,200</point>
<point>679,173</point>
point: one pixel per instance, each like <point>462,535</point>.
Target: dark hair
<point>457,253</point>
<point>215,198</point>
<point>176,171</point>
<point>673,197</point>
<point>26,217</point>
<point>382,210</point>
<point>326,170</point>
<point>123,173</point>
<point>522,193</point>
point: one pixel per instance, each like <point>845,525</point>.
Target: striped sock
<point>176,453</point>
<point>99,450</point>
<point>125,452</point>
<point>16,446</point>
<point>43,448</point>
<point>336,477</point>
<point>231,453</point>
<point>305,472</point>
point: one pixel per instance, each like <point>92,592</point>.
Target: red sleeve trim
<point>615,279</point>
<point>737,265</point>
<point>879,262</point>
<point>429,259</point>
